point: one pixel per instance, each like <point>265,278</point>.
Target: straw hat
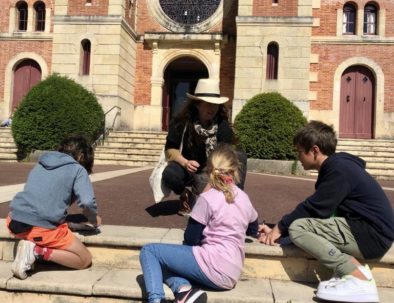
<point>208,90</point>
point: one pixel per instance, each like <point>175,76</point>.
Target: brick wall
<point>79,8</point>
<point>142,93</point>
<point>284,8</point>
<point>330,56</point>
<point>130,14</point>
<point>328,18</point>
<point>227,64</point>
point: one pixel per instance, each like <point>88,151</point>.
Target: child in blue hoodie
<point>347,217</point>
<point>38,213</point>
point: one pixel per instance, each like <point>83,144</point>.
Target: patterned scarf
<point>208,136</point>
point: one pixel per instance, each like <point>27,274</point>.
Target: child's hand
<point>269,236</point>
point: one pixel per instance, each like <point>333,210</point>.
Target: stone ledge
<point>118,247</point>
<point>97,284</point>
<point>135,237</point>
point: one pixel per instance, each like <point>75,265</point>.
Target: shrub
<point>55,108</point>
<point>266,125</point>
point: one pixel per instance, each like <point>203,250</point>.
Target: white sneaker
<point>348,289</point>
<point>24,259</point>
<point>324,284</point>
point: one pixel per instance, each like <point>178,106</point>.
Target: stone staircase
<point>271,274</point>
<point>143,148</point>
<point>379,155</point>
<point>139,148</point>
<point>133,148</point>
<point>7,146</point>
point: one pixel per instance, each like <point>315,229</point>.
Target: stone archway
<point>180,77</point>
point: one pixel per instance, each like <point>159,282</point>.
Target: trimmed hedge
<point>266,125</point>
<point>53,109</point>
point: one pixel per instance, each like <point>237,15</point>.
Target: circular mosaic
<point>189,12</point>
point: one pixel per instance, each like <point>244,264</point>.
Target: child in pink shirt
<point>215,235</point>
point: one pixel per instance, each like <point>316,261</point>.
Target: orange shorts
<point>59,238</point>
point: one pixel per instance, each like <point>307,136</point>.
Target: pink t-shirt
<point>222,252</point>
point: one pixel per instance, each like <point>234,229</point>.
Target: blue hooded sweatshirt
<point>52,186</point>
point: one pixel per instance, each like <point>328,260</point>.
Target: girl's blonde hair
<point>223,166</point>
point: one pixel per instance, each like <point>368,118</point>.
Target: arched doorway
<point>26,74</point>
<point>180,77</point>
<point>357,103</point>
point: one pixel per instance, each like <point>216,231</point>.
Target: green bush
<point>53,109</point>
<point>266,126</point>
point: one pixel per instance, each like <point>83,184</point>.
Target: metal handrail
<point>105,130</point>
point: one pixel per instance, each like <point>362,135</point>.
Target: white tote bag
<point>160,191</point>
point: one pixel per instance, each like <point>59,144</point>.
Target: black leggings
<point>177,178</point>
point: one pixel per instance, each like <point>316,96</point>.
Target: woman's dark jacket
<point>196,150</point>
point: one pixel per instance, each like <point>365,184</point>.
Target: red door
<point>357,103</point>
<point>26,75</point>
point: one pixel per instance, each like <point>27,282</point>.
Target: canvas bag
<point>160,191</point>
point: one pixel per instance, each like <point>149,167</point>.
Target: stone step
<point>8,149</point>
<point>126,156</point>
<point>138,134</point>
<point>132,163</point>
<point>8,144</point>
<point>372,154</point>
<point>365,143</point>
<point>146,145</point>
<point>354,148</point>
<point>5,133</point>
<point>6,139</point>
<point>11,156</point>
<point>110,285</point>
<point>118,247</point>
<point>380,174</point>
<point>380,166</point>
<point>128,150</point>
<point>132,140</point>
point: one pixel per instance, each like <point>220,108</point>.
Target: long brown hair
<point>189,114</point>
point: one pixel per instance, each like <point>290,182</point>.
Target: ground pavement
<point>124,196</point>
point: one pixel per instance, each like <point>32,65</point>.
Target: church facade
<point>332,58</point>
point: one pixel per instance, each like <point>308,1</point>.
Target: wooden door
<point>26,75</point>
<point>357,103</point>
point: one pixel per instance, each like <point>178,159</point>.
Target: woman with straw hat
<point>193,134</point>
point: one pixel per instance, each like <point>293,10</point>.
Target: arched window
<point>370,19</point>
<point>272,61</point>
<point>85,50</point>
<point>39,8</point>
<point>21,8</point>
<point>349,19</point>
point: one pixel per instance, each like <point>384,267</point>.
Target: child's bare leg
<point>76,256</point>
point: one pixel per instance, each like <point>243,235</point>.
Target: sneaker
<point>324,284</point>
<point>190,296</point>
<point>24,259</point>
<point>348,289</point>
